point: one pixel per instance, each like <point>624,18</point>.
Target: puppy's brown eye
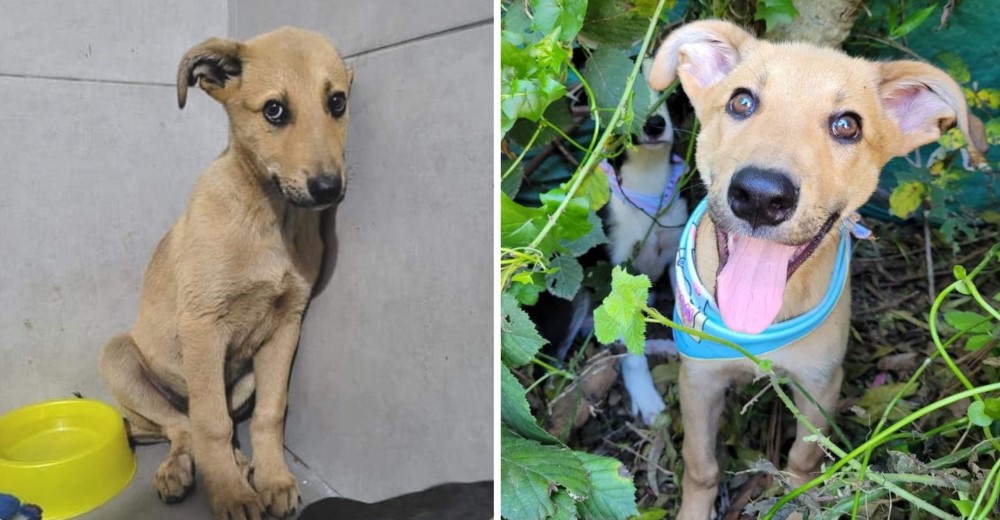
<point>275,113</point>
<point>846,126</point>
<point>742,104</point>
<point>337,104</point>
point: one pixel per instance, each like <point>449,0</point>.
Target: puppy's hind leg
<point>150,416</point>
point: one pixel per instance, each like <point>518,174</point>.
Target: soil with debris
<point>891,298</point>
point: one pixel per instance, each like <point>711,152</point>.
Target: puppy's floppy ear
<point>922,101</point>
<point>701,53</point>
<point>212,65</point>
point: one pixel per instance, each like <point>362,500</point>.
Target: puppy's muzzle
<point>326,189</point>
<point>762,197</point>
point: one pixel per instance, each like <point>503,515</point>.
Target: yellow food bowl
<point>69,456</point>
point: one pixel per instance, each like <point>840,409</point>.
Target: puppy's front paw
<point>278,489</point>
<point>647,402</point>
<point>646,408</point>
<point>174,478</point>
<point>234,499</point>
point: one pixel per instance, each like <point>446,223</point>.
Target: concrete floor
<point>140,501</point>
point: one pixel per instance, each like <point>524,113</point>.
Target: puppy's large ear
<point>212,65</point>
<point>922,101</point>
<point>701,53</point>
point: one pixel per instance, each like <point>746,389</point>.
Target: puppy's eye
<point>275,113</point>
<point>742,104</point>
<point>337,104</point>
<point>846,127</point>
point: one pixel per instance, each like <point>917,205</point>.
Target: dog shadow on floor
<point>469,501</point>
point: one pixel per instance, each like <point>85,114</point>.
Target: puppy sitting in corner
<point>224,293</point>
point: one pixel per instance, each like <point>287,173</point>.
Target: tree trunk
<point>822,22</point>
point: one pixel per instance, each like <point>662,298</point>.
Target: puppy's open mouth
<point>752,276</point>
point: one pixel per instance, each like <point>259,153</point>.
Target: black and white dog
<point>644,219</point>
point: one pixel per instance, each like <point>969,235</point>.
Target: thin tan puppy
<point>223,296</point>
<point>793,139</point>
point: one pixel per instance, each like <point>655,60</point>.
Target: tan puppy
<point>223,296</point>
<point>793,139</point>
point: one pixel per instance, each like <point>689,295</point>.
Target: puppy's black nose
<point>655,125</point>
<point>325,189</point>
<point>762,197</point>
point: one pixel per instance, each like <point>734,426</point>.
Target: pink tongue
<point>750,286</point>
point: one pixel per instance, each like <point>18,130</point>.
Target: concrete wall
<point>392,389</point>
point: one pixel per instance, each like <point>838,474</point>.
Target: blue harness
<point>695,308</point>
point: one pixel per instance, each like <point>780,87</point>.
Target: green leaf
<point>620,315</point>
<point>557,113</point>
<point>573,222</point>
<point>613,23</point>
<point>526,292</point>
<point>954,65</point>
<point>612,494</point>
<point>647,8</point>
<point>654,513</point>
<point>607,71</point>
<point>970,322</point>
<point>564,16</point>
<point>530,471</point>
<point>952,140</point>
<point>527,87</point>
<point>975,343</point>
<point>512,183</point>
<point>517,26</point>
<point>520,226</point>
<point>977,414</point>
<point>906,198</point>
<point>549,54</point>
<point>565,507</point>
<point>565,282</point>
<point>515,411</point>
<point>596,189</point>
<point>877,398</point>
<point>960,275</point>
<point>775,12</point>
<point>988,98</point>
<point>964,506</point>
<point>528,98</point>
<point>991,406</point>
<point>594,237</point>
<point>912,22</point>
<point>993,131</point>
<point>519,340</point>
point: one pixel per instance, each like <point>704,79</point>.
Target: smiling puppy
<point>223,296</point>
<point>793,139</point>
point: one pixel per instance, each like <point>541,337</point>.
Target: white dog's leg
<point>647,403</point>
<point>661,347</point>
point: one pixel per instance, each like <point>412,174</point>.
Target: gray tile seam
<point>390,46</point>
<point>429,36</point>
<point>315,474</point>
<point>87,80</point>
